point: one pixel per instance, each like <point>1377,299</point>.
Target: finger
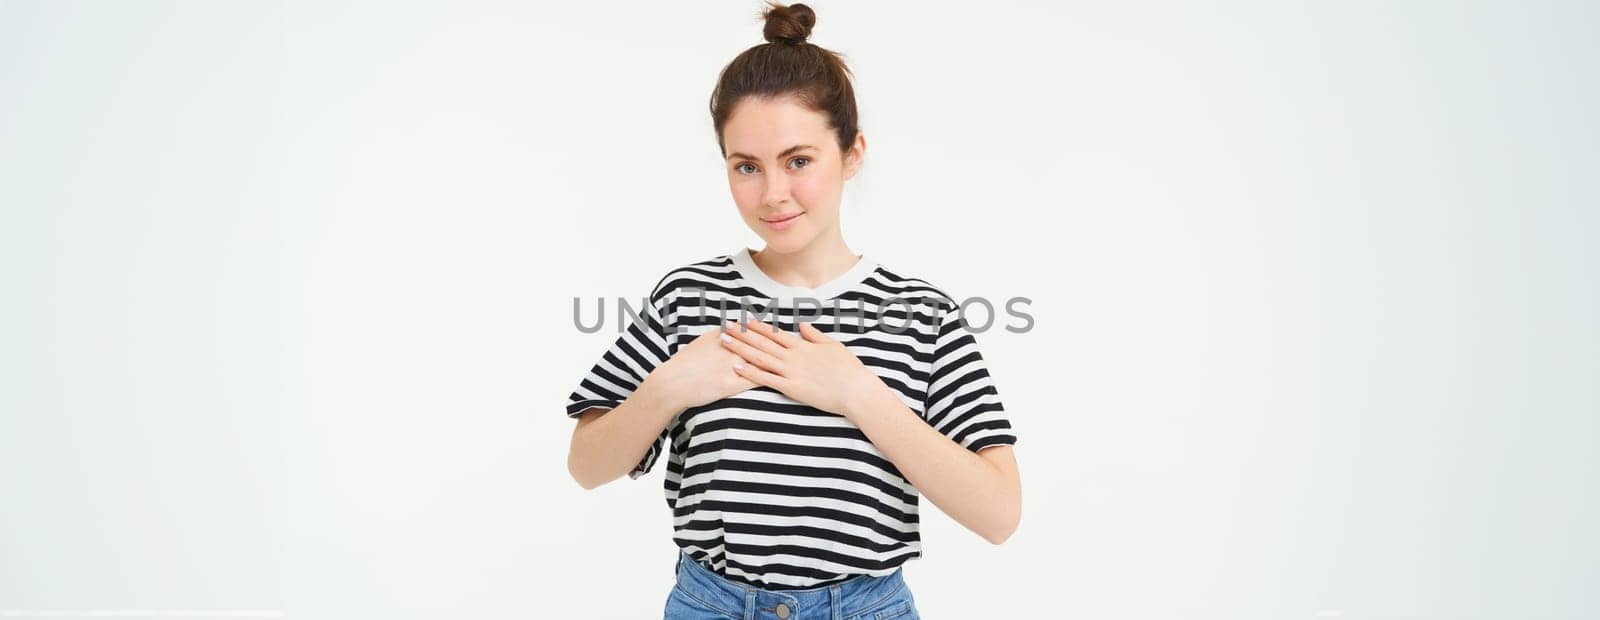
<point>811,333</point>
<point>777,335</point>
<point>760,377</point>
<point>738,379</point>
<point>751,354</point>
<point>759,341</point>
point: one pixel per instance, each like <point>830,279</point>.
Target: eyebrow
<point>786,152</point>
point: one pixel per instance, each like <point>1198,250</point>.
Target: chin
<point>784,244</point>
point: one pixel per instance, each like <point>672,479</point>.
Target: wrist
<point>656,396</point>
<point>873,395</point>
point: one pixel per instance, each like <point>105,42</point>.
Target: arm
<point>609,442</point>
<point>980,490</point>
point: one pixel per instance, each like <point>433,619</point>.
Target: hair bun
<point>788,24</point>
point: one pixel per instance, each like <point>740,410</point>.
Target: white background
<point>287,319</point>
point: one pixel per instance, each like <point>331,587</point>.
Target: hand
<point>811,368</point>
<point>699,373</point>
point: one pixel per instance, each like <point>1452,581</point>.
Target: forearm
<point>963,484</point>
<point>612,443</point>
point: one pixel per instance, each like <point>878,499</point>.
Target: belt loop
<point>749,603</point>
<point>834,593</point>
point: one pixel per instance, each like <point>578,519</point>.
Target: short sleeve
<point>636,352</point>
<point>962,401</point>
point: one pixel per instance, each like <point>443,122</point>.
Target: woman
<point>806,395</point>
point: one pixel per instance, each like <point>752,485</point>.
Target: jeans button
<point>783,611</point>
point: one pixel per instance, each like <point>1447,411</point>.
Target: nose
<point>776,191</point>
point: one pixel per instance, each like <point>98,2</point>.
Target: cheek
<point>816,192</point>
<point>747,196</point>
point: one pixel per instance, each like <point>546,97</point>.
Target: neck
<point>825,258</point>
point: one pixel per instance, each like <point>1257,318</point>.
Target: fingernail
<point>727,338</point>
<point>738,365</point>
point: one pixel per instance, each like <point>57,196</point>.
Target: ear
<point>854,156</point>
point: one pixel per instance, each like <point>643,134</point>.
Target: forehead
<point>765,127</point>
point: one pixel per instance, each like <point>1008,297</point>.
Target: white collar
<point>758,279</point>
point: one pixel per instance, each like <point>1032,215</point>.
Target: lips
<point>782,222</point>
<point>782,218</point>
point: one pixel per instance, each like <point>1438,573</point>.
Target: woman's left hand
<point>811,368</point>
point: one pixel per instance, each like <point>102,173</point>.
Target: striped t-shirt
<point>776,494</point>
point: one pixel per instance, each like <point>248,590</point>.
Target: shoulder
<point>707,272</point>
<point>891,281</point>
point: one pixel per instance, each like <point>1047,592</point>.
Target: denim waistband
<point>836,600</point>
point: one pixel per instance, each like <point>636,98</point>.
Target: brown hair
<point>786,65</point>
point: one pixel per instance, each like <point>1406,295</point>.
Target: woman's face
<point>786,171</point>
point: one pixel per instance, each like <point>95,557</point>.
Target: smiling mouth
<point>782,219</point>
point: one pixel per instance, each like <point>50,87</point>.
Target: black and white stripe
<point>776,494</point>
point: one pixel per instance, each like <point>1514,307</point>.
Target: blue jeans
<point>701,594</point>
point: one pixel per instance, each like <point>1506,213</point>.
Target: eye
<point>799,159</point>
<point>742,168</point>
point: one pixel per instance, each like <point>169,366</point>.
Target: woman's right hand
<point>699,373</point>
